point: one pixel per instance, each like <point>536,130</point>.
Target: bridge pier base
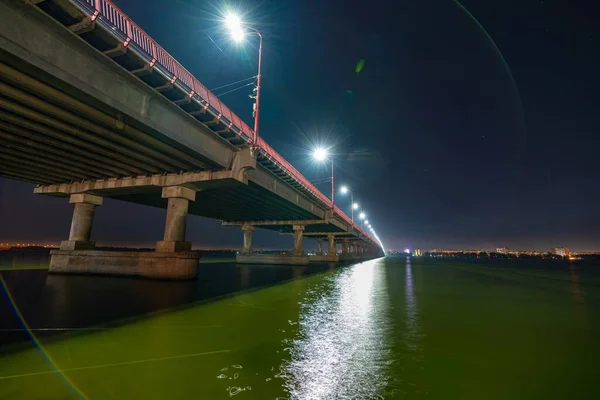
<point>173,258</point>
<point>297,256</point>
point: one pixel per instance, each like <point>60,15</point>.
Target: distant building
<point>502,250</point>
<point>560,251</point>
<point>417,253</point>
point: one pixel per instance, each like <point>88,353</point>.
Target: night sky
<point>472,125</point>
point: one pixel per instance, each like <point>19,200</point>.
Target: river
<point>390,328</point>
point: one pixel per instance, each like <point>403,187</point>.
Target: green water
<point>386,328</point>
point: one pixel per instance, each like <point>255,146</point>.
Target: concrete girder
<point>34,156</point>
<point>276,223</point>
<point>145,156</point>
<point>28,142</point>
<point>269,181</point>
<point>16,172</point>
<point>33,164</point>
<point>61,175</point>
<point>18,176</point>
<point>120,158</point>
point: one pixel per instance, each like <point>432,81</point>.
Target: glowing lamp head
<point>320,154</point>
<point>344,189</point>
<point>367,222</point>
<point>234,23</point>
<point>355,206</point>
<point>362,215</point>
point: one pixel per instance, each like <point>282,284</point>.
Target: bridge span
<point>91,107</point>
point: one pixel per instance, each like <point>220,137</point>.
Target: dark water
<point>386,328</point>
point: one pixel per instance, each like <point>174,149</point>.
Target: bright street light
<point>234,23</point>
<point>362,215</point>
<point>367,222</point>
<point>322,154</point>
<point>353,206</point>
<point>238,29</point>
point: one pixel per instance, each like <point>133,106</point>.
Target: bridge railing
<point>129,31</point>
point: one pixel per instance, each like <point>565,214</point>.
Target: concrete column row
<point>178,198</point>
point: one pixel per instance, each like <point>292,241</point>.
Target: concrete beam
<point>178,192</point>
<point>191,180</point>
<point>85,198</point>
<point>276,223</point>
<point>324,234</point>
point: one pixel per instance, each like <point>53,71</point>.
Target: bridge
<point>91,107</point>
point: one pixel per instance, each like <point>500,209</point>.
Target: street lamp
<point>353,206</point>
<point>362,216</point>
<point>237,28</point>
<point>322,154</point>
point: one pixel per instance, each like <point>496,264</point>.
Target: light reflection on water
<point>341,349</point>
<point>411,318</point>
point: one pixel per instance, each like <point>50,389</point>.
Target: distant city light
<point>407,251</point>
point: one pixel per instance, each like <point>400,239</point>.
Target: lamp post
<point>321,154</point>
<point>236,27</point>
<point>353,206</point>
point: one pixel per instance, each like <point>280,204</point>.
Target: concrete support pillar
<point>355,249</point>
<point>177,208</point>
<point>247,229</point>
<point>345,247</point>
<point>331,242</point>
<point>298,233</point>
<point>319,246</point>
<point>81,224</point>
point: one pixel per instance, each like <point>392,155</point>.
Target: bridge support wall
<point>173,258</point>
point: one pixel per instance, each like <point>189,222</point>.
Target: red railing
<point>132,32</point>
